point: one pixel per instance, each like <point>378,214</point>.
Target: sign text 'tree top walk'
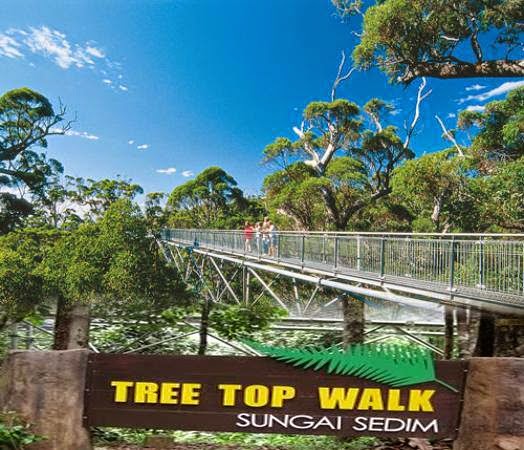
<point>365,391</point>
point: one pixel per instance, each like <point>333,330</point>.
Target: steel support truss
<point>310,301</point>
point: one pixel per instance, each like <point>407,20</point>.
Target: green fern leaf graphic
<point>393,365</point>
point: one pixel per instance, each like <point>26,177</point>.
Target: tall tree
<point>498,131</point>
<point>409,39</point>
<point>27,119</point>
<point>211,200</point>
<point>112,265</point>
<point>349,182</point>
<point>345,156</point>
<point>433,188</point>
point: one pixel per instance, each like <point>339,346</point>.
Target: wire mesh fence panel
<point>289,247</point>
<point>370,256</point>
<point>348,252</point>
<point>315,250</point>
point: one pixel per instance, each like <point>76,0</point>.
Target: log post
<point>46,390</point>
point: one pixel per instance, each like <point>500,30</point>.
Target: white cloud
<point>82,134</point>
<point>130,142</point>
<point>502,89</point>
<point>96,52</point>
<point>476,108</point>
<point>122,87</point>
<point>57,47</point>
<point>451,116</point>
<point>187,173</point>
<point>53,44</point>
<point>395,112</point>
<point>143,147</point>
<point>9,47</point>
<point>168,171</point>
<point>475,87</point>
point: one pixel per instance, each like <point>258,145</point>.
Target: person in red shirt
<point>249,232</point>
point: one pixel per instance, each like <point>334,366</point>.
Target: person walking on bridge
<point>273,239</point>
<point>249,231</point>
<point>265,236</point>
<point>258,236</point>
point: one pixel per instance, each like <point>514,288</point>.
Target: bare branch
<point>421,95</point>
<point>449,136</point>
<point>315,160</point>
<point>340,78</point>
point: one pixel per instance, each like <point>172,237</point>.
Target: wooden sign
<point>262,395</point>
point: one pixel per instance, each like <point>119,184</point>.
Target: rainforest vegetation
<point>81,251</point>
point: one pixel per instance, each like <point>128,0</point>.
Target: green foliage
<point>501,130</point>
<point>211,200</point>
<point>154,212</point>
<point>26,120</point>
<point>295,189</point>
<point>21,284</point>
<point>14,435</point>
<point>237,322</point>
<point>412,38</point>
<point>390,364</point>
<point>503,196</point>
<point>113,264</point>
<point>316,186</point>
<point>432,187</point>
<point>247,441</point>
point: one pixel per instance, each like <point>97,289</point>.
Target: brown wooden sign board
<point>261,395</point>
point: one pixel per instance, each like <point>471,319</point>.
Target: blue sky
<point>182,85</point>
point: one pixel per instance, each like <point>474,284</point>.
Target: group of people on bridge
<point>264,235</point>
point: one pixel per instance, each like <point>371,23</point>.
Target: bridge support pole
<point>353,314</point>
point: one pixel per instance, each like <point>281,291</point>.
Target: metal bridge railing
<point>471,264</point>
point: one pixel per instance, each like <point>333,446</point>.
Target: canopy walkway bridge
<point>483,271</point>
<point>308,273</point>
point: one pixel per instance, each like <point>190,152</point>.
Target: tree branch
<point>449,136</point>
<point>448,70</point>
<point>421,95</point>
<point>315,160</point>
<point>340,78</point>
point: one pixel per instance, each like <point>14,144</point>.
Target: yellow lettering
<point>190,394</point>
<point>169,393</point>
<point>229,394</point>
<point>371,399</point>
<point>121,388</point>
<point>394,401</point>
<point>337,398</point>
<point>146,392</point>
<point>256,395</point>
<point>281,393</point>
<point>420,400</point>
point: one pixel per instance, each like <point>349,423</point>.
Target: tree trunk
<point>448,332</point>
<point>204,325</point>
<point>353,313</point>
<point>486,336</point>
<point>509,336</point>
<point>72,323</point>
<point>448,70</point>
<point>467,331</point>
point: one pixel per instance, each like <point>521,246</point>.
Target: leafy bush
<point>15,435</point>
<point>248,441</point>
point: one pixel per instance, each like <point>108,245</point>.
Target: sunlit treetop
<point>409,39</point>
